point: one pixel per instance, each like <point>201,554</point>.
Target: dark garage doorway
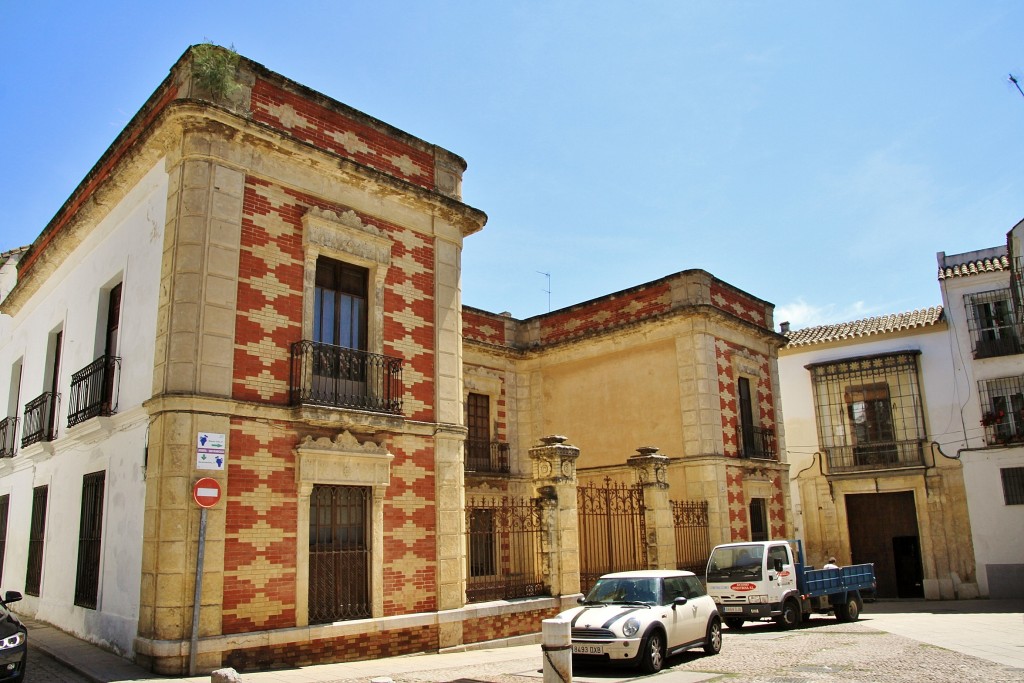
<point>883,530</point>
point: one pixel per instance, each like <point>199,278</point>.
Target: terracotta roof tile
<point>985,265</point>
<point>867,327</point>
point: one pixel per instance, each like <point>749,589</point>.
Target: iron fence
<point>94,390</point>
<point>503,537</point>
<point>693,535</point>
<point>328,375</point>
<point>612,530</point>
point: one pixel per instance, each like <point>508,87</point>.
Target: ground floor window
<point>1013,485</point>
<point>90,532</point>
<point>5,505</point>
<point>758,520</point>
<point>36,534</point>
<point>339,553</point>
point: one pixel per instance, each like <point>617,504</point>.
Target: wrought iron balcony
<point>758,442</point>
<point>8,430</point>
<point>94,390</point>
<point>328,375</point>
<point>875,456</point>
<point>483,455</point>
<point>40,419</point>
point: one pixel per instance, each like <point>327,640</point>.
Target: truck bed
<point>819,582</point>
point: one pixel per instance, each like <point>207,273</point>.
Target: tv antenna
<point>548,290</point>
<point>1013,79</point>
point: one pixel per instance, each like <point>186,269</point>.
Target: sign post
<point>206,493</point>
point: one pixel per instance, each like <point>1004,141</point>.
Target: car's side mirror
<point>580,600</point>
<point>678,602</point>
<point>11,596</point>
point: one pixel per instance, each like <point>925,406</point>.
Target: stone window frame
<point>342,461</point>
<point>345,237</point>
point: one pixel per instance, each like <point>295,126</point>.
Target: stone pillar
<point>652,475</point>
<point>554,474</point>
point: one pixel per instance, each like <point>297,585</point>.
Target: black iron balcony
<point>487,456</point>
<point>94,390</point>
<point>1006,344</point>
<point>328,375</point>
<point>40,423</point>
<point>8,430</point>
<point>875,456</point>
<point>758,442</point>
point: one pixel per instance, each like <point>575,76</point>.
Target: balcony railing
<point>876,456</point>
<point>40,423</point>
<point>328,375</point>
<point>94,390</point>
<point>487,456</point>
<point>758,442</point>
<point>8,432</point>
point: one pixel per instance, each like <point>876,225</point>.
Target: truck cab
<point>753,581</point>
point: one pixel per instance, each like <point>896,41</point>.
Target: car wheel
<point>848,612</point>
<point>652,653</point>
<point>790,617</point>
<point>713,642</point>
<point>734,623</point>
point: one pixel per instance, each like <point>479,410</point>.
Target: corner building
<point>258,284</point>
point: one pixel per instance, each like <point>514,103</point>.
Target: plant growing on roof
<point>213,68</point>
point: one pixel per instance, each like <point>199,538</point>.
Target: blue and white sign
<point>210,451</point>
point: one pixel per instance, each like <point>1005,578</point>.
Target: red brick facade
<point>626,307</point>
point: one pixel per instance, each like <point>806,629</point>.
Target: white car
<point>642,618</point>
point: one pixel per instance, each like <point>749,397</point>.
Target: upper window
<point>1002,406</point>
<point>339,304</point>
<point>868,412</point>
<point>990,320</point>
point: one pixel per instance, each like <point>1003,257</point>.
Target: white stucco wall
<point>996,528</point>
<point>127,247</point>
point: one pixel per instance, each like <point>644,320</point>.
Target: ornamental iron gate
<point>612,530</point>
<point>504,542</point>
<point>693,535</point>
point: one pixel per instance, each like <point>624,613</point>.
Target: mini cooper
<point>641,618</point>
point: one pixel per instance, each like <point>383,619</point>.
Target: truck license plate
<point>582,649</point>
<point>734,609</point>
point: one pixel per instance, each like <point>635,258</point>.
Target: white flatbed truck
<point>769,580</point>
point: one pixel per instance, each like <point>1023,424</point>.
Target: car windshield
<point>736,562</point>
<point>625,591</point>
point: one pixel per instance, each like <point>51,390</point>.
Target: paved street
<point>897,642</point>
<point>42,668</point>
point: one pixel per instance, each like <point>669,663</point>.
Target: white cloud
<point>801,314</point>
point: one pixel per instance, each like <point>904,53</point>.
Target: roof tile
<point>867,327</point>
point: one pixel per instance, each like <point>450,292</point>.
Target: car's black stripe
<point>608,624</point>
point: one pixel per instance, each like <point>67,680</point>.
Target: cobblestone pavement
<point>823,651</point>
<point>42,668</point>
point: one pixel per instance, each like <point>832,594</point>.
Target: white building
<point>981,294</point>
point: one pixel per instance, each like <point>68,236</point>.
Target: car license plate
<point>583,649</point>
<point>734,609</point>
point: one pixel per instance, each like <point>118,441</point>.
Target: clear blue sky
<point>815,154</point>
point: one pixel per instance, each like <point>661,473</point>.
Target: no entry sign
<point>206,492</point>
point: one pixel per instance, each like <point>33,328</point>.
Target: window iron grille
<point>36,535</point>
<point>5,506</point>
<point>90,532</point>
<point>94,390</point>
<point>504,542</point>
<point>868,412</point>
<point>758,520</point>
<point>328,375</point>
<point>40,419</point>
<point>339,553</point>
<point>8,437</point>
<point>990,319</point>
<point>1013,485</point>
<point>1002,405</point>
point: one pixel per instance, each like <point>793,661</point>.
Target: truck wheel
<point>713,642</point>
<point>790,617</point>
<point>734,623</point>
<point>848,612</point>
<point>652,653</point>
